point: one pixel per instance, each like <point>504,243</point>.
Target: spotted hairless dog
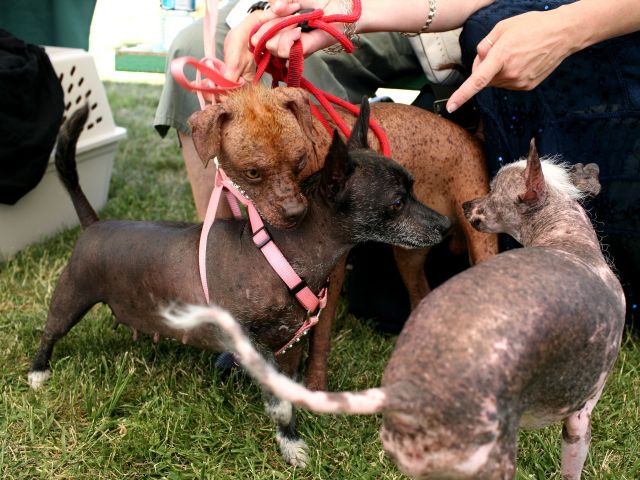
<point>268,141</point>
<point>522,340</point>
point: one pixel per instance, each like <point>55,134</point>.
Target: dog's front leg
<point>283,413</point>
<point>315,377</point>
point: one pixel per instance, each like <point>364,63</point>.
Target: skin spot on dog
<point>476,460</point>
<point>570,439</point>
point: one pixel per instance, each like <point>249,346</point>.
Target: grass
<point>117,409</point>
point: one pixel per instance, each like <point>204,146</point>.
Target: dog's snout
<point>293,212</point>
<point>467,207</point>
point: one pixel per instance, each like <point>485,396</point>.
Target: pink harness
<point>261,238</point>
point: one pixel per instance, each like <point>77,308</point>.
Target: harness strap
<point>261,239</point>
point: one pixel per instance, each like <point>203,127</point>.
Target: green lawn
<point>119,409</point>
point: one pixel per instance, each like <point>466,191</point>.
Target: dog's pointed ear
<point>534,180</point>
<point>206,131</point>
<point>336,168</point>
<point>297,100</point>
<point>585,178</point>
<point>358,137</point>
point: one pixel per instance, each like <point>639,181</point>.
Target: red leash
<point>291,72</point>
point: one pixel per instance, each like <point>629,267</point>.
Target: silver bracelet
<point>349,30</point>
<point>433,6</point>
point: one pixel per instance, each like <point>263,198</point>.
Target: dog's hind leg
<point>576,436</point>
<point>67,308</point>
<point>411,267</point>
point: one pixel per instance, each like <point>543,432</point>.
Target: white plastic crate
<point>47,208</point>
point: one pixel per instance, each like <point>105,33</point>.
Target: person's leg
<point>177,104</point>
<point>380,58</point>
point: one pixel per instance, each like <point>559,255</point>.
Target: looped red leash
<point>291,72</point>
<point>214,83</point>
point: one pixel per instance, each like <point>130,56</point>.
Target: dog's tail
<point>67,168</point>
<point>356,403</point>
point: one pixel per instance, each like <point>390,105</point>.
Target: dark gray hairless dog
<point>525,339</point>
<point>139,267</point>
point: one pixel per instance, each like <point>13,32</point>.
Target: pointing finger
<point>482,75</point>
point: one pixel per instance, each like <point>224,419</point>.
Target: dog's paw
<point>294,451</point>
<point>37,379</point>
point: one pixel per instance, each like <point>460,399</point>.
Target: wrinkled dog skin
<point>522,340</point>
<point>268,141</point>
<point>138,267</point>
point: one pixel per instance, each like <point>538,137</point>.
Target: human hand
<point>280,44</point>
<point>238,59</point>
<point>518,54</point>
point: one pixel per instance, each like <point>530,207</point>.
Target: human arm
<point>377,16</point>
<point>527,48</point>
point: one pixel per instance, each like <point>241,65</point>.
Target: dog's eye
<point>397,205</point>
<point>252,174</point>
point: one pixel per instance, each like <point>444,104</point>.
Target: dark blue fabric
<point>587,110</point>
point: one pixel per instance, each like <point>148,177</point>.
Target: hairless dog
<point>522,340</point>
<point>135,267</point>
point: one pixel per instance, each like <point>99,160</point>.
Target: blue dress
<point>587,110</point>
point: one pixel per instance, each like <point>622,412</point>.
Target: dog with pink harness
<point>135,267</point>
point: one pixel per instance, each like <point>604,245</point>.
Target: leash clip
<point>304,25</point>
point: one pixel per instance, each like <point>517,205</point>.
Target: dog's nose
<point>294,211</point>
<point>467,207</point>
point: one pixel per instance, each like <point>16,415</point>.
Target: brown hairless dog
<point>268,141</point>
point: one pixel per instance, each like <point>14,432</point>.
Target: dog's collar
<point>297,286</point>
<point>309,322</point>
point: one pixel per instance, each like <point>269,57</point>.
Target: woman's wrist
<point>577,28</point>
<point>411,15</point>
